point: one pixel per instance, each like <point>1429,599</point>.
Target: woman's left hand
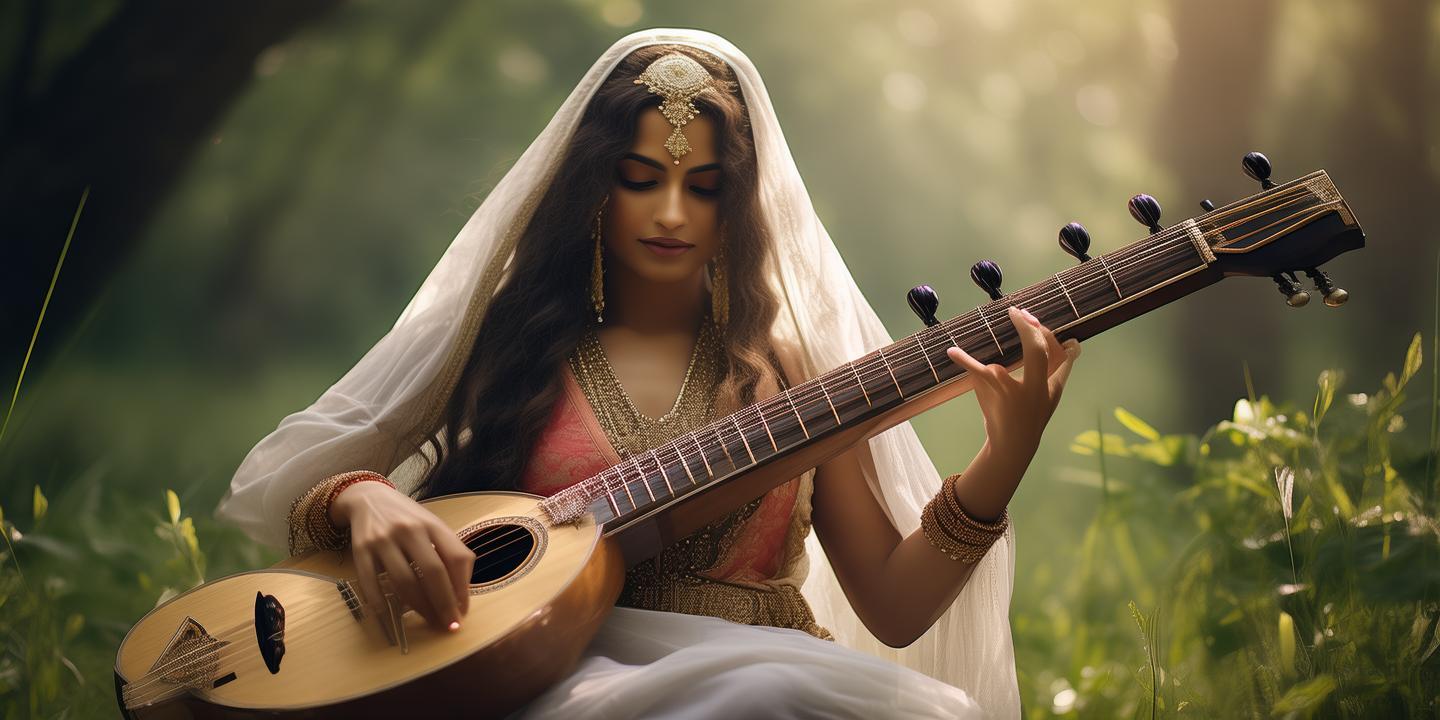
<point>1016,411</point>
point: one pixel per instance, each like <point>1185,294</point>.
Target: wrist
<point>351,489</point>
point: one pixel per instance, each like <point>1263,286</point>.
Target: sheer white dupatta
<point>374,414</point>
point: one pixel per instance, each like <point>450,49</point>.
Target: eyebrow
<point>656,164</point>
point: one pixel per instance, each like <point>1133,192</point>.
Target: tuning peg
<point>1334,296</point>
<point>987,275</point>
<point>1295,296</point>
<point>1207,206</point>
<point>1257,166</point>
<point>1075,240</point>
<point>924,302</point>
<point>1146,211</point>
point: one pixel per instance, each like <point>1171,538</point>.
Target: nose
<point>671,212</point>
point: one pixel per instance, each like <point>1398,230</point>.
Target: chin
<point>665,272</point>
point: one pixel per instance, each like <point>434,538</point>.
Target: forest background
<point>266,183</point>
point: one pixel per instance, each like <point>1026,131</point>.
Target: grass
<point>1288,554</point>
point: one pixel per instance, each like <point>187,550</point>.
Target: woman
<point>632,251</point>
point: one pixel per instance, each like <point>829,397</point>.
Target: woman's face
<point>662,221</point>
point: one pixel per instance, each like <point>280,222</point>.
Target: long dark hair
<point>512,379</point>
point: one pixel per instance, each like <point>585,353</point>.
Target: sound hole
<point>499,551</point>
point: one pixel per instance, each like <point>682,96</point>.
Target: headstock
<point>1283,230</point>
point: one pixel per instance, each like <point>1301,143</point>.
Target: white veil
<point>372,417</point>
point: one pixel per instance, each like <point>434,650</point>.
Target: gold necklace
<point>629,429</point>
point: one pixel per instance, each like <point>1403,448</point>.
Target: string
<point>1126,257</point>
<point>866,369</point>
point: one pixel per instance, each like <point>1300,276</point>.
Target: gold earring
<point>720,290</point>
<point>597,267</point>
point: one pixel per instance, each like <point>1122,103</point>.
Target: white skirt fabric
<point>646,664</point>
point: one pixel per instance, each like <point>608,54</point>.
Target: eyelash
<point>638,186</point>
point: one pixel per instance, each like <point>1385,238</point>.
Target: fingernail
<point>454,625</point>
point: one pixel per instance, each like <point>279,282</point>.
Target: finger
<point>1034,359</point>
<point>1053,349</point>
<point>433,578</point>
<point>1062,374</point>
<point>459,562</point>
<point>974,367</point>
<point>365,573</point>
<point>402,576</point>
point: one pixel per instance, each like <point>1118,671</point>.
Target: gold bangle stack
<point>310,526</point>
<point>952,531</point>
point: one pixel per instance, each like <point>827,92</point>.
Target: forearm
<point>900,586</point>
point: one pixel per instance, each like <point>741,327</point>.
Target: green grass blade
<point>15,397</point>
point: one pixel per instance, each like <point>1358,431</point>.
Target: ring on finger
<point>416,567</point>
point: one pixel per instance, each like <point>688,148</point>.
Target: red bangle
<point>345,480</point>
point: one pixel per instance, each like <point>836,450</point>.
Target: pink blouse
<point>573,447</point>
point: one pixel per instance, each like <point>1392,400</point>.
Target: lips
<point>666,242</point>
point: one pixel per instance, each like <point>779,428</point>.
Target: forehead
<point>652,130</point>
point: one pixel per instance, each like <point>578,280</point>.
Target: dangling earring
<point>597,268</point>
<point>720,290</point>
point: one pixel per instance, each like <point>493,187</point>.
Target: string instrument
<point>299,640</point>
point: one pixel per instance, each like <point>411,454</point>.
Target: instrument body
<point>525,629</point>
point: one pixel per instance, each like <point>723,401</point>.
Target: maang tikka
<point>677,79</point>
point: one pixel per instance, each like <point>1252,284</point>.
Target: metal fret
<point>1118,295</point>
<point>744,440</point>
<point>643,480</point>
<point>926,354</point>
<point>821,382</point>
<point>1067,295</point>
<point>981,312</point>
<point>881,353</point>
<point>685,465</point>
<point>716,430</point>
<point>611,497</point>
<point>663,475</point>
<point>795,410</point>
<point>761,412</point>
<point>626,485</point>
<point>861,383</point>
<point>703,459</point>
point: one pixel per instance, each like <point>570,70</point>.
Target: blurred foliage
<point>86,565</point>
<point>1285,563</point>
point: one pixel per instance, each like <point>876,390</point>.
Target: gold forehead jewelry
<point>677,79</point>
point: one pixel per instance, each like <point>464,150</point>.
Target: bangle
<point>310,525</point>
<point>953,531</point>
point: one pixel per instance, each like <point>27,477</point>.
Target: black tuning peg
<point>987,275</point>
<point>1146,211</point>
<point>1295,296</point>
<point>1257,166</point>
<point>924,302</point>
<point>1334,296</point>
<point>1075,240</point>
<point>1207,206</point>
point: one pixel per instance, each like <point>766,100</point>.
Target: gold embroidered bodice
<point>676,580</point>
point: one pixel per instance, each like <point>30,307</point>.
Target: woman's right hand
<point>388,532</point>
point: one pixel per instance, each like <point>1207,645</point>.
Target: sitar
<point>298,639</point>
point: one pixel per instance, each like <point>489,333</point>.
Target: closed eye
<point>633,185</point>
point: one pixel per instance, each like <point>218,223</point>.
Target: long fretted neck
<point>1081,301</point>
